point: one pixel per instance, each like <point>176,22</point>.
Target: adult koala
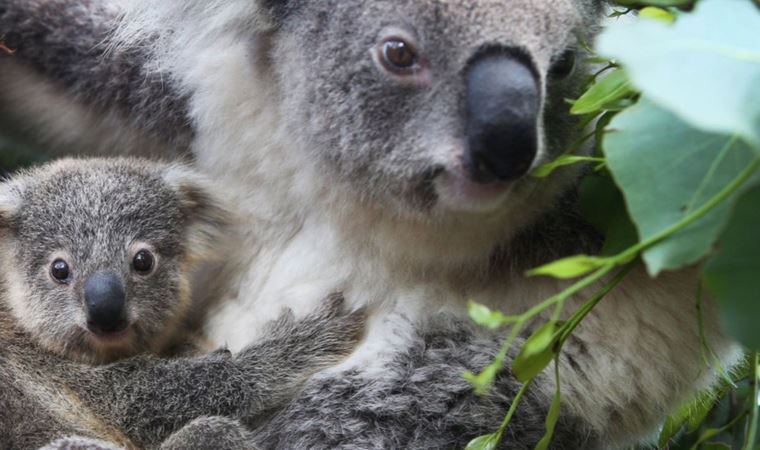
<point>378,148</point>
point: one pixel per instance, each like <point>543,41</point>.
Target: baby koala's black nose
<point>105,301</point>
<point>503,105</point>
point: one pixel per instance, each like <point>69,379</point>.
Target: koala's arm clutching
<point>148,398</point>
<point>420,401</point>
<point>219,433</point>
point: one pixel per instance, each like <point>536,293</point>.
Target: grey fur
<point>49,388</point>
<point>115,81</point>
<point>205,433</point>
<point>421,401</point>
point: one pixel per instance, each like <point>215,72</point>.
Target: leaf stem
<point>726,192</point>
<point>512,409</point>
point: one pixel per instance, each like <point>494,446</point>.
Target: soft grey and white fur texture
<point>75,236</point>
<point>353,136</point>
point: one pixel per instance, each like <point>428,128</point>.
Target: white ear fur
<point>209,221</point>
<point>11,192</point>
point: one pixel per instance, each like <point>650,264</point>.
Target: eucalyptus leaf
<point>485,442</point>
<point>732,274</point>
<point>571,267</point>
<point>486,317</point>
<point>667,170</point>
<point>483,381</point>
<point>565,160</point>
<point>705,67</point>
<point>609,89</point>
<point>661,3</point>
<point>537,352</point>
<point>655,13</point>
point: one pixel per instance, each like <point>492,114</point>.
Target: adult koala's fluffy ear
<point>11,192</point>
<point>208,220</point>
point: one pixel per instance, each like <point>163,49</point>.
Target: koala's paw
<point>325,336</point>
<point>206,433</point>
<point>80,443</point>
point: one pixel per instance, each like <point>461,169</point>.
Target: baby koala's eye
<point>60,271</point>
<point>143,262</point>
<point>398,55</point>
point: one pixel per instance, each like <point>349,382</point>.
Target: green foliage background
<point>675,112</point>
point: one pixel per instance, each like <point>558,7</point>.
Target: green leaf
<point>485,317</point>
<point>661,3</point>
<point>485,442</point>
<point>483,381</point>
<point>732,274</point>
<point>692,414</point>
<point>705,68</point>
<point>614,86</point>
<point>654,13</point>
<point>571,267</point>
<point>537,352</point>
<point>554,409</point>
<point>602,204</point>
<point>564,160</point>
<point>672,426</point>
<point>667,170</point>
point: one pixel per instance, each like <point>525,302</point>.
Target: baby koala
<point>98,255</point>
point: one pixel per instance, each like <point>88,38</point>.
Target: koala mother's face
<point>431,105</point>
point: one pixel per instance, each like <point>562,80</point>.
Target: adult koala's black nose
<point>503,104</point>
<point>105,301</point>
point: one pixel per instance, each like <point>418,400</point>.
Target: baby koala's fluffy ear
<point>11,192</point>
<point>209,221</point>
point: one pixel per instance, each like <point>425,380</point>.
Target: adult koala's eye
<point>143,262</point>
<point>563,66</point>
<point>60,271</point>
<point>398,55</point>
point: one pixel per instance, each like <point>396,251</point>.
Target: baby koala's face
<point>101,252</point>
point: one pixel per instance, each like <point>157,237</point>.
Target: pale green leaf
<point>486,317</point>
<point>660,3</point>
<point>705,67</point>
<point>537,352</point>
<point>483,381</point>
<point>667,170</point>
<point>571,267</point>
<point>655,13</point>
<point>613,87</point>
<point>485,442</point>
